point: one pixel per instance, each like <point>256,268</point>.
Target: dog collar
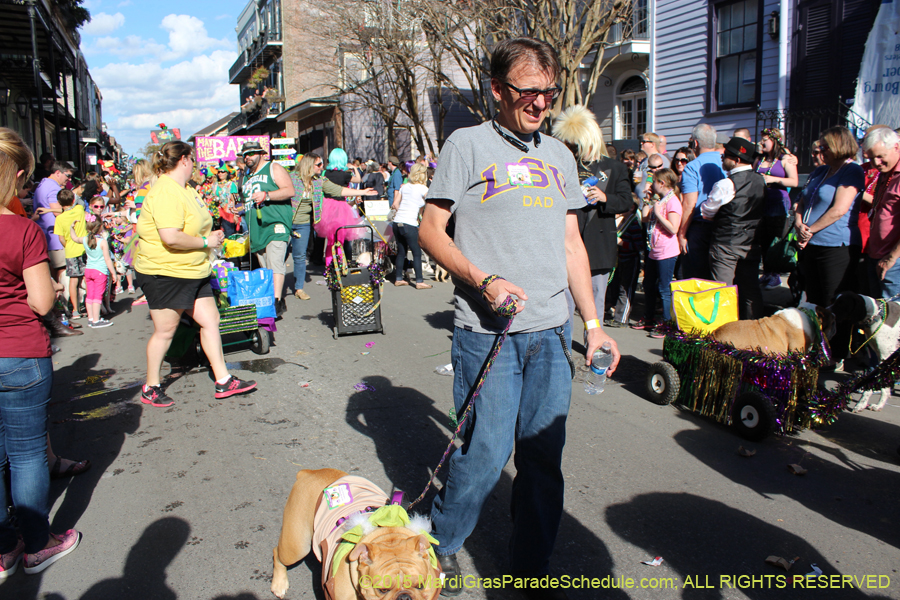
<point>821,344</point>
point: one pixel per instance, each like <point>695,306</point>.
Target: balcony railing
<point>801,127</point>
<point>265,46</point>
<point>635,27</point>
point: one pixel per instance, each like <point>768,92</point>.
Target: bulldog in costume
<point>368,547</point>
<point>878,335</point>
<point>788,330</point>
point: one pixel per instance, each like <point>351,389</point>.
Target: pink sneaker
<point>35,563</point>
<point>9,562</point>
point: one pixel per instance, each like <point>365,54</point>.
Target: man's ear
<point>496,87</point>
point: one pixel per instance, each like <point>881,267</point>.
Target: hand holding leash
<point>499,294</point>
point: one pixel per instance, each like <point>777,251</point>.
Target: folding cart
<point>355,291</point>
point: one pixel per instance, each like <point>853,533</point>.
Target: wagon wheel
<point>259,341</point>
<point>753,416</point>
<point>199,356</point>
<point>663,383</point>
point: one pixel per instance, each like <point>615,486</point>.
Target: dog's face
<point>394,564</point>
<point>850,306</point>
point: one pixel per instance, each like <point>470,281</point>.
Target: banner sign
<point>878,87</point>
<point>214,149</point>
<point>283,151</point>
<point>286,163</point>
<point>161,136</point>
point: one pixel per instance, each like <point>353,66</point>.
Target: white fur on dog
<point>884,342</point>
<point>799,319</point>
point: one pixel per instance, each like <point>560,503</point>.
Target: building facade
<point>790,64</point>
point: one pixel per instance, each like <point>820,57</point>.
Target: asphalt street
<point>186,502</point>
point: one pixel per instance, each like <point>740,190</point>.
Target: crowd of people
<point>710,211</point>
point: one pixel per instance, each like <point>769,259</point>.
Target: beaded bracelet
<point>482,287</point>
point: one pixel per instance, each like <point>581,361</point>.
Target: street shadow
<point>89,420</point>
<point>836,486</point>
<point>865,434</point>
<point>410,433</point>
<point>144,574</point>
<point>709,540</point>
<point>631,374</point>
<point>441,320</point>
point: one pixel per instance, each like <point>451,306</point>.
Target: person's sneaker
<point>452,576</point>
<point>613,324</point>
<point>130,290</point>
<point>68,541</point>
<point>280,308</point>
<point>772,282</point>
<point>118,290</point>
<point>9,562</point>
<point>99,323</point>
<point>233,386</point>
<point>641,325</point>
<point>657,333</point>
<point>301,295</point>
<point>154,396</point>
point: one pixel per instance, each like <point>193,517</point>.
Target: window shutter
<point>817,50</point>
<point>858,17</point>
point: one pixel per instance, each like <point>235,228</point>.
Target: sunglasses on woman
<point>683,161</point>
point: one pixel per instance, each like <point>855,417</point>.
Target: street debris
<point>362,387</point>
<point>444,369</point>
<point>303,384</point>
<point>369,344</point>
<point>777,561</point>
<point>653,563</point>
<point>746,452</point>
<point>797,470</point>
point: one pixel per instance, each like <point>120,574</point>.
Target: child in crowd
<point>71,217</point>
<point>121,233</point>
<point>98,269</point>
<point>659,268</point>
<point>631,242</point>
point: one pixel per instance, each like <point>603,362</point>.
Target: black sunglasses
<point>653,167</point>
<point>683,161</point>
<point>531,94</point>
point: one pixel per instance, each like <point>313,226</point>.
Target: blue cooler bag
<point>253,287</point>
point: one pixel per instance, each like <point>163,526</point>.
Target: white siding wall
<point>682,71</point>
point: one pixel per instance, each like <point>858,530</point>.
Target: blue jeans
<point>887,287</point>
<point>524,403</point>
<point>24,394</point>
<point>299,246</point>
<point>657,277</point>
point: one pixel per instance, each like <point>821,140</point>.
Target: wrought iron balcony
<point>265,47</point>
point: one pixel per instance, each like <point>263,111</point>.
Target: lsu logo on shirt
<point>543,176</point>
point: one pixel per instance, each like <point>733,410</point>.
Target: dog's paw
<point>876,407</point>
<point>859,407</point>
<point>279,589</point>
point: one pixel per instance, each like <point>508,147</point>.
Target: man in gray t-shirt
<point>513,193</point>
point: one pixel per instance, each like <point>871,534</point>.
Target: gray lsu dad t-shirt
<point>514,231</point>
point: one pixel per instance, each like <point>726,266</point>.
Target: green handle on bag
<point>715,312</point>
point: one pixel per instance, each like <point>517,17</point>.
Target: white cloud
<point>125,48</point>
<point>187,34</point>
<point>187,95</point>
<point>103,24</point>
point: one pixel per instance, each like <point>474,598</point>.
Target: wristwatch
<point>267,196</point>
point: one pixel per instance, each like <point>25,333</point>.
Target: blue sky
<point>161,62</point>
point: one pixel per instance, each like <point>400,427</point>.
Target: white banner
<point>286,163</point>
<point>282,151</point>
<point>281,141</point>
<point>878,87</point>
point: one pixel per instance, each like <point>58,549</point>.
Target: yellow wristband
<point>592,324</point>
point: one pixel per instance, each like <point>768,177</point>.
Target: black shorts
<point>174,293</point>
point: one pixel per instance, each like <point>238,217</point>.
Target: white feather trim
<point>359,518</point>
<point>420,523</point>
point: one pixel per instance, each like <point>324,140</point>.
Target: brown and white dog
<point>788,330</point>
<point>440,273</point>
<point>387,563</point>
<point>879,326</point>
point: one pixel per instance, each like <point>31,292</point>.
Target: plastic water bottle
<point>596,377</point>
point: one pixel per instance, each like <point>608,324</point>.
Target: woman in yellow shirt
<point>173,268</point>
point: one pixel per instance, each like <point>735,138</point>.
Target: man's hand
<point>370,192</point>
<point>258,197</point>
<point>682,243</point>
<point>595,338</point>
<point>884,265</point>
<point>498,291</point>
<point>595,195</point>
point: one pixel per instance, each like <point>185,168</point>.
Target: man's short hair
<point>46,156</point>
<point>743,132</point>
<point>880,135</point>
<point>65,197</point>
<point>662,162</point>
<point>61,167</point>
<point>508,53</point>
<point>627,153</point>
<point>651,137</point>
<point>705,134</point>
